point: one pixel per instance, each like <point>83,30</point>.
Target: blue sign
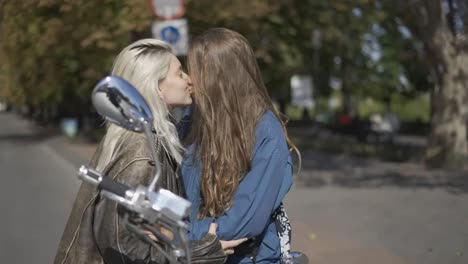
<point>174,32</point>
<point>170,34</point>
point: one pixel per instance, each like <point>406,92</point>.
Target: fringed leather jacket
<point>95,233</point>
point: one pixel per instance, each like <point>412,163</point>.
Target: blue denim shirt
<point>259,193</point>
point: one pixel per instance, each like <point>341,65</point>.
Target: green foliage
<point>282,35</point>
<point>414,109</point>
<point>408,109</point>
<point>55,51</point>
<point>294,112</point>
<point>368,106</point>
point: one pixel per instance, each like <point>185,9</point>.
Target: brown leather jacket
<point>111,242</point>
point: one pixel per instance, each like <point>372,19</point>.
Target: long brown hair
<point>230,99</point>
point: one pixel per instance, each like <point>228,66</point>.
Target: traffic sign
<point>301,91</point>
<point>174,32</point>
<point>168,9</point>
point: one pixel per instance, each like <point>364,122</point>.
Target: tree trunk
<point>347,87</point>
<point>448,145</point>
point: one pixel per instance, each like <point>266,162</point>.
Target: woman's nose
<point>189,82</point>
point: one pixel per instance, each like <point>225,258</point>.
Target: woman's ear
<point>161,90</point>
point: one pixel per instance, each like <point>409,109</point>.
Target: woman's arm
<point>258,194</point>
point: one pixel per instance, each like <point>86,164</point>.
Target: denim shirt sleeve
<point>185,124</point>
<point>259,193</point>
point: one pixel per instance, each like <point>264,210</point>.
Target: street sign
<point>168,9</point>
<point>174,32</point>
<point>301,91</point>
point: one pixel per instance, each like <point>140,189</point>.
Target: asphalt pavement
<point>37,190</point>
<point>343,210</point>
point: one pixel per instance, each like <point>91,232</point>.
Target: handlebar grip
<point>108,184</point>
<point>102,182</point>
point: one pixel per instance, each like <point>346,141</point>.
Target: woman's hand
<point>166,232</point>
<point>228,246</point>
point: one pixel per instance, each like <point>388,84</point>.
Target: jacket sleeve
<point>258,194</point>
<point>116,242</point>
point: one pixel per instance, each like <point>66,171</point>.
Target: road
<point>37,190</point>
<point>343,210</point>
<point>353,210</point>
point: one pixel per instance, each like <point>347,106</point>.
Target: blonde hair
<point>144,64</point>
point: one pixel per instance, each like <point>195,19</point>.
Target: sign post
<point>170,27</point>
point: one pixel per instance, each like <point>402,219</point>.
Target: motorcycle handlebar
<point>103,182</point>
<point>112,186</point>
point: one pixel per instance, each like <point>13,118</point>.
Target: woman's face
<point>176,88</point>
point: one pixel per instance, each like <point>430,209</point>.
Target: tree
<point>55,51</point>
<point>282,35</point>
<point>441,26</point>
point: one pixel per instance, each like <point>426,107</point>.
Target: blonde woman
<point>94,232</point>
